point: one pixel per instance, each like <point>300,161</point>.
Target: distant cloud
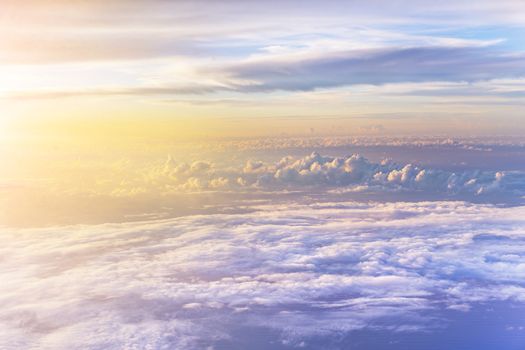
<point>137,92</point>
<point>293,273</point>
<point>447,143</point>
<point>317,70</point>
<point>316,172</point>
<point>377,66</point>
<point>169,49</point>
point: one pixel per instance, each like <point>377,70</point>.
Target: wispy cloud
<point>418,64</point>
<point>144,53</point>
<point>328,70</point>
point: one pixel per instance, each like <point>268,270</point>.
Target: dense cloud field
<point>279,276</point>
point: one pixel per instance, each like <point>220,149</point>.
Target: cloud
<point>377,66</point>
<point>329,176</point>
<point>350,173</point>
<point>320,69</point>
<point>250,46</point>
<point>485,144</point>
<point>316,170</point>
<point>294,273</point>
<point>191,89</point>
<point>181,52</point>
<point>324,68</point>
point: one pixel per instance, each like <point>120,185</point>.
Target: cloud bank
<point>321,143</point>
<point>317,172</point>
<point>295,273</point>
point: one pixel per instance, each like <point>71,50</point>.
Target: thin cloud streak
<point>331,70</point>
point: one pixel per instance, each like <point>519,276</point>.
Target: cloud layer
<point>167,49</point>
<point>296,273</point>
<point>377,66</point>
<point>320,68</point>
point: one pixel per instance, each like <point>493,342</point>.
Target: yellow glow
<point>91,102</point>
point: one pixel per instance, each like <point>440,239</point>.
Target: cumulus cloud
<point>325,172</point>
<point>294,273</point>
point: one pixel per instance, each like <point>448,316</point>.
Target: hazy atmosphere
<point>262,175</point>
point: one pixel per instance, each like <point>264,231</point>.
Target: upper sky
<point>254,67</point>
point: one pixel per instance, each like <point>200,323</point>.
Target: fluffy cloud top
<point>351,172</point>
<point>297,274</point>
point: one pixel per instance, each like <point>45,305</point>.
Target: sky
<point>262,174</point>
<point>252,68</point>
<point>92,90</point>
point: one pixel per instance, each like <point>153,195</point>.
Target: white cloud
<point>351,172</point>
<point>299,271</point>
<point>446,143</point>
